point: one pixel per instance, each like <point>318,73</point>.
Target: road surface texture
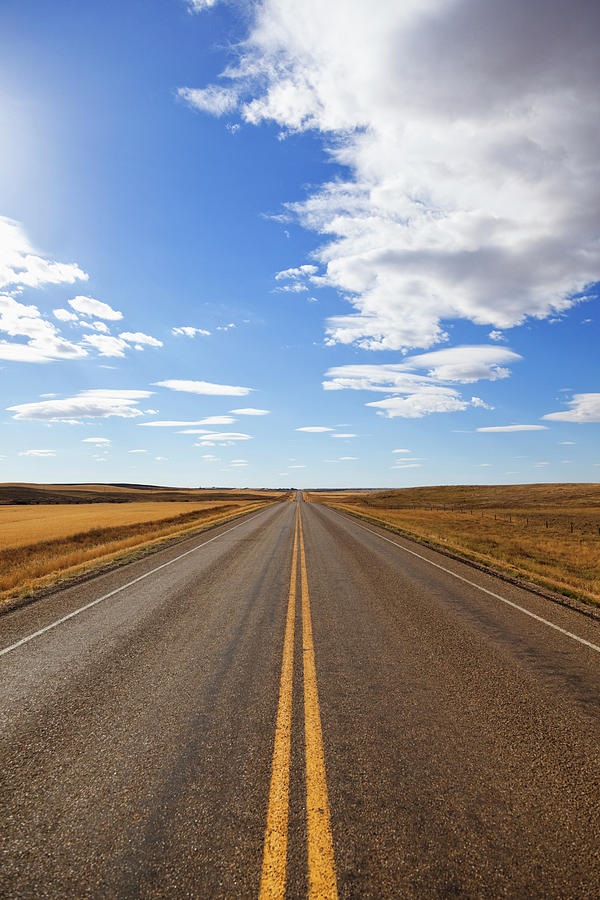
<point>299,705</point>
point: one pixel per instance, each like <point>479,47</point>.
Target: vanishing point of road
<point>302,705</point>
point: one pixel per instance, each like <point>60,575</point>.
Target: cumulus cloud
<point>510,428</point>
<point>189,331</point>
<point>204,387</point>
<point>250,411</point>
<point>469,133</point>
<point>21,264</point>
<point>583,408</point>
<point>44,342</point>
<point>91,404</point>
<point>88,306</point>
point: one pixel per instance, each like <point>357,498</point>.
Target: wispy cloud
<point>189,331</point>
<point>510,428</point>
<point>92,404</point>
<point>250,411</point>
<point>582,408</point>
<point>38,453</point>
<point>204,387</point>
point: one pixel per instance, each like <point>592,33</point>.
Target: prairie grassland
<point>42,544</point>
<point>547,534</point>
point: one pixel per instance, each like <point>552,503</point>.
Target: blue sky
<point>213,207</point>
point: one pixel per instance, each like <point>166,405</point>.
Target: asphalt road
<point>300,703</point>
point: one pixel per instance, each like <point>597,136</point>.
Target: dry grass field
<point>41,543</point>
<point>548,534</point>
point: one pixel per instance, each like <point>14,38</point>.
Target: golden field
<point>41,543</point>
<point>547,534</point>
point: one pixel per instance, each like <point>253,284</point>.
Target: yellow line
<point>321,864</point>
<point>272,882</point>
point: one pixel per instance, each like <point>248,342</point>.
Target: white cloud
<point>204,387</point>
<point>140,339</point>
<point>583,408</point>
<point>38,453</point>
<point>196,431</point>
<point>160,458</point>
<point>44,341</point>
<point>567,443</point>
<point>226,327</point>
<point>217,420</point>
<point>91,404</point>
<point>199,5</point>
<point>510,428</point>
<point>342,458</point>
<point>170,423</point>
<point>469,193</point>
<point>102,327</point>
<point>106,344</point>
<point>215,100</point>
<point>314,428</point>
<point>407,466</point>
<point>21,264</point>
<point>401,451</point>
<point>425,393</point>
<point>296,467</point>
<point>63,315</point>
<point>299,272</point>
<point>250,411</point>
<point>464,364</point>
<point>137,451</point>
<point>343,435</point>
<point>295,288</point>
<point>97,441</point>
<point>423,401</point>
<point>229,436</point>
<point>540,465</point>
<point>189,331</point>
<point>496,336</point>
<point>87,306</point>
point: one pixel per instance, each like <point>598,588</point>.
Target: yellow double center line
<point>321,865</point>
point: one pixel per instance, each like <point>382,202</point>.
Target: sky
<point>316,245</point>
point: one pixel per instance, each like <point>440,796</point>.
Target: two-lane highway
<point>299,704</point>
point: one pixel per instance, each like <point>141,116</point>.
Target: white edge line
<point>123,587</point>
<point>479,588</point>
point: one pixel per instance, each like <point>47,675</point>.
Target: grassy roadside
<point>28,569</point>
<point>552,547</point>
